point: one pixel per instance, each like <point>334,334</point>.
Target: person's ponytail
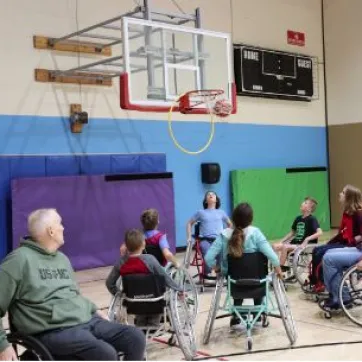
<point>236,243</point>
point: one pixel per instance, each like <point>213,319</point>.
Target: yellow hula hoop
<point>183,149</point>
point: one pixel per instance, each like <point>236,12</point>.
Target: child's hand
<point>102,314</point>
<point>278,272</point>
<point>217,269</point>
<point>359,265</point>
<point>123,249</point>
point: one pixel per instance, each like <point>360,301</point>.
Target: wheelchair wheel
<point>301,261</point>
<point>182,277</point>
<point>188,254</point>
<point>28,348</point>
<point>114,310</point>
<point>284,309</point>
<point>183,323</point>
<point>352,283</point>
<point>214,307</point>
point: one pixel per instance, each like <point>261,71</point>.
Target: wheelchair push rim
<point>182,324</point>
<point>182,277</point>
<point>352,307</point>
<point>30,344</point>
<point>301,262</point>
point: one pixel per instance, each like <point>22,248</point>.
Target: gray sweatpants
<point>97,340</point>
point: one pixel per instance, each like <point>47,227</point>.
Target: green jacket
<point>39,291</point>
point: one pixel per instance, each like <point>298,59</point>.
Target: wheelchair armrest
<point>247,282</point>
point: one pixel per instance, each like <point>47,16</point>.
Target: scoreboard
<point>270,73</point>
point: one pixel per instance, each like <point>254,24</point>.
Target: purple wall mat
<point>95,213</point>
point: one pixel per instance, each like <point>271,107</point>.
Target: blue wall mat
<point>62,165</point>
<point>152,163</point>
<point>12,167</point>
<point>4,195</point>
<point>4,176</point>
<point>95,164</point>
<point>125,163</point>
<point>30,166</point>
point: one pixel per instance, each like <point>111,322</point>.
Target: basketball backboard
<point>164,61</point>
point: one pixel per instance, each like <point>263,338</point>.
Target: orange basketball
<point>222,108</point>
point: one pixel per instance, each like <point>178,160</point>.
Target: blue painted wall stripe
<point>235,146</point>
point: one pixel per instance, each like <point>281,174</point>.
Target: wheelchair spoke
<point>301,261</point>
<point>182,324</point>
<point>183,311</point>
<point>284,309</point>
<point>214,307</point>
<point>182,277</point>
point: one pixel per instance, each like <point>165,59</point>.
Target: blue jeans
<point>317,257</point>
<point>335,261</point>
<point>97,340</point>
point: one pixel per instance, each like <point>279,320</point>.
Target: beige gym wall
<point>343,28</point>
<point>255,22</point>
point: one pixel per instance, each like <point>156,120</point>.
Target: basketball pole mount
<point>95,73</point>
<point>77,118</point>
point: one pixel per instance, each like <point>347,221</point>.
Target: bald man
<point>39,289</point>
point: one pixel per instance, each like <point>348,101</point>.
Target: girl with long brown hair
<point>242,238</point>
<point>349,235</point>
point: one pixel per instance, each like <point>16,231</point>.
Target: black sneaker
<point>234,321</point>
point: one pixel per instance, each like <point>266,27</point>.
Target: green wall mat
<point>276,195</point>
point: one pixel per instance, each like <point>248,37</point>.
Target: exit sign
<point>296,38</point>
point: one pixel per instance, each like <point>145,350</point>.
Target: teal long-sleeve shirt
<point>255,241</point>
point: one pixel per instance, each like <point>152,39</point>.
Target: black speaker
<point>210,173</point>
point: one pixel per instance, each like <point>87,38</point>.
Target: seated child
<point>212,221</point>
<point>155,239</point>
<point>349,234</point>
<point>242,238</point>
<point>150,221</point>
<point>305,229</point>
<point>136,262</point>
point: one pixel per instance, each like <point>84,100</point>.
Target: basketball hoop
<point>208,101</point>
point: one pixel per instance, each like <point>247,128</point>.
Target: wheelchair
<point>157,253</point>
<point>145,295</point>
<point>198,260</point>
<point>315,289</point>
<point>29,348</point>
<point>298,265</point>
<point>351,285</point>
<point>248,278</point>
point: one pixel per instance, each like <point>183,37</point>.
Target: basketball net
<point>211,100</point>
<point>201,102</point>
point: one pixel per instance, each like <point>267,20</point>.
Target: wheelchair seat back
<point>144,286</point>
<point>247,271</point>
<point>196,230</point>
<point>157,253</point>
